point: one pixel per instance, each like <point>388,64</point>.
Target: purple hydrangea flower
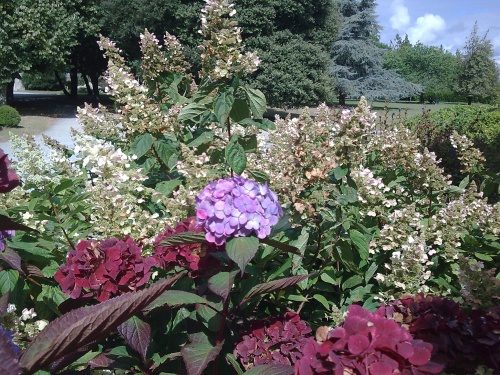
<point>236,207</point>
<point>5,235</point>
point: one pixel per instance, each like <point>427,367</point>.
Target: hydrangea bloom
<point>193,257</point>
<point>275,340</point>
<point>8,177</point>
<point>367,344</point>
<point>236,207</point>
<point>5,235</point>
<point>104,268</point>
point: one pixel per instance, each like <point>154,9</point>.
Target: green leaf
<point>274,285</point>
<point>235,156</point>
<point>164,151</point>
<point>258,176</point>
<point>361,243</point>
<point>142,144</point>
<point>280,245</point>
<point>484,257</point>
<point>263,124</point>
<point>271,369</point>
<point>239,110</point>
<point>204,137</point>
<point>191,113</point>
<point>222,106</point>
<point>231,359</point>
<point>256,100</point>
<point>463,184</point>
<point>8,281</point>
<point>222,283</point>
<point>167,187</point>
<point>241,250</point>
<point>352,282</point>
<point>175,298</point>
<point>371,271</point>
<point>321,299</point>
<point>184,238</point>
<point>197,356</point>
<point>340,172</point>
<point>86,325</point>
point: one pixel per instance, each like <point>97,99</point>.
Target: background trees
<point>357,58</point>
<point>478,72</point>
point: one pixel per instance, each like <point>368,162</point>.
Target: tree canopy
<point>358,60</point>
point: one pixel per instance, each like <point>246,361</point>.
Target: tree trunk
<point>87,85</point>
<point>73,74</point>
<point>61,83</point>
<point>94,78</point>
<point>10,92</point>
<point>342,99</point>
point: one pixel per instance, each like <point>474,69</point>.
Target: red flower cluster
<point>193,257</point>
<point>106,269</point>
<point>275,340</point>
<point>461,342</point>
<point>8,177</point>
<point>367,344</point>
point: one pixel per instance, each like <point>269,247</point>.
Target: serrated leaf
<point>222,106</point>
<point>222,283</point>
<point>271,369</point>
<point>9,364</point>
<point>164,151</point>
<point>175,298</point>
<point>85,325</point>
<point>280,245</point>
<point>241,250</point>
<point>370,272</point>
<point>197,356</point>
<point>167,187</point>
<point>352,282</point>
<point>258,176</point>
<point>137,335</point>
<point>463,184</point>
<point>184,238</point>
<point>321,299</point>
<point>360,243</point>
<point>6,223</point>
<point>239,110</point>
<point>256,100</point>
<point>142,144</point>
<point>263,123</point>
<point>204,137</point>
<point>235,156</point>
<point>12,258</point>
<point>191,113</point>
<point>8,280</point>
<point>274,285</point>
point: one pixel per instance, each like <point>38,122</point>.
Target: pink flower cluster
<point>193,257</point>
<point>367,344</point>
<point>106,269</point>
<point>236,207</point>
<point>276,340</point>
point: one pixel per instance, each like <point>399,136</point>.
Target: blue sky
<point>440,22</point>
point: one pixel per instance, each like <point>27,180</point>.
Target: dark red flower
<point>8,177</point>
<point>193,257</point>
<point>274,340</point>
<point>104,268</point>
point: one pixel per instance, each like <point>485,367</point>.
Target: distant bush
<point>9,116</point>
<point>40,81</point>
<point>480,123</point>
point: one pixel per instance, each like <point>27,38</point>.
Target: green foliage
<point>40,81</point>
<point>9,116</point>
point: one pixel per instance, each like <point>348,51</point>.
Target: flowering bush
<point>236,207</point>
<point>367,343</point>
<point>104,268</point>
<point>193,257</point>
<point>273,340</point>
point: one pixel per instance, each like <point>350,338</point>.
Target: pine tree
<point>358,59</point>
<point>478,73</point>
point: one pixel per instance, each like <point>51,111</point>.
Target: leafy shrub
<point>480,123</point>
<point>9,116</point>
<point>40,81</point>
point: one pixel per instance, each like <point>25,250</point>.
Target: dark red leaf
<point>222,283</point>
<point>12,258</point>
<point>4,303</point>
<point>6,223</point>
<point>87,324</point>
<point>274,285</point>
<point>198,354</point>
<point>137,335</point>
<point>271,369</point>
<point>9,364</point>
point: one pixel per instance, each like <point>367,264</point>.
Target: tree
<point>430,66</point>
<point>478,73</point>
<point>357,59</point>
<point>34,34</point>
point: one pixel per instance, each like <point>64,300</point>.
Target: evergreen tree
<point>478,73</point>
<point>358,59</point>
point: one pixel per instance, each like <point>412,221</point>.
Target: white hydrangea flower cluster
<point>25,326</point>
<point>470,158</point>
<point>221,51</point>
<point>480,286</point>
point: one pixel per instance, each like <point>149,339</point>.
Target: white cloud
<point>401,17</point>
<point>426,28</point>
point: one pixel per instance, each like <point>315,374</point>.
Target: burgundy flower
<point>8,177</point>
<point>274,340</point>
<point>104,268</point>
<point>193,257</point>
<point>368,344</point>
